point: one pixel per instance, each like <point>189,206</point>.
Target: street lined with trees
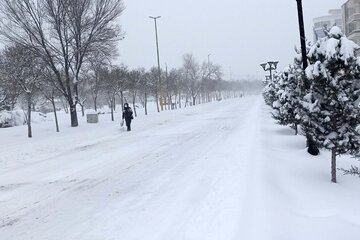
<point>70,48</point>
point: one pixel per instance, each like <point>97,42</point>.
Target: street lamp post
<point>312,148</point>
<point>302,33</point>
<point>269,66</point>
<point>158,59</point>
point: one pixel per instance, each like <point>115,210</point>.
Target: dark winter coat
<point>127,113</point>
<point>128,116</point>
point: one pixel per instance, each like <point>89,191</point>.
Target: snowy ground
<point>217,171</point>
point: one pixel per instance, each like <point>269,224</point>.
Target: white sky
<point>240,34</point>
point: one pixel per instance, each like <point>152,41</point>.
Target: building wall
<point>351,20</point>
<point>333,19</point>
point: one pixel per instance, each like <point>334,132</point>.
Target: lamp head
<point>263,65</point>
<point>154,17</point>
<point>273,65</point>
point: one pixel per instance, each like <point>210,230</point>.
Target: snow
<point>348,48</point>
<point>336,43</point>
<point>223,170</point>
<point>18,117</point>
<point>331,50</point>
<point>12,118</point>
<point>276,104</point>
<point>335,32</point>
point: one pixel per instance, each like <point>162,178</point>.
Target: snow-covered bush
<point>18,118</point>
<point>331,107</point>
<point>12,118</point>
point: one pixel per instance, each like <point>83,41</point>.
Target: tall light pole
<point>302,33</point>
<point>158,60</point>
<point>312,148</point>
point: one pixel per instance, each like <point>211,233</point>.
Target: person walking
<point>127,116</point>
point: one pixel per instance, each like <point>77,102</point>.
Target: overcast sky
<point>239,34</point>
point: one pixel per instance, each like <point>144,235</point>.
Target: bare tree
<point>113,83</point>
<point>63,33</point>
<point>3,98</point>
<point>25,70</point>
<point>134,81</point>
<point>173,86</point>
<point>210,73</point>
<point>108,80</point>
<point>192,76</point>
<point>4,94</point>
<point>9,92</point>
<point>50,93</point>
<point>97,61</point>
<point>153,83</point>
<point>121,79</point>
<point>144,89</point>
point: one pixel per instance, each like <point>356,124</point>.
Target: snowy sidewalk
<point>219,171</point>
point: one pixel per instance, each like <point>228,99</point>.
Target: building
<point>351,20</point>
<point>335,18</point>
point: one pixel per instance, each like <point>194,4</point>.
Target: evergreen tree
<point>270,91</point>
<point>331,113</point>
<point>286,108</point>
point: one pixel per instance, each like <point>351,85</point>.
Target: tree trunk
<point>95,103</point>
<point>134,98</point>
<point>112,108</point>
<point>170,103</point>
<point>179,99</point>
<point>122,100</point>
<point>163,103</point>
<point>157,102</point>
<point>145,103</point>
<point>194,100</point>
<point>114,104</point>
<point>65,106</point>
<point>296,128</point>
<point>73,116</point>
<point>333,165</point>
<point>82,110</point>
<point>29,115</point>
<point>55,115</point>
<point>73,113</point>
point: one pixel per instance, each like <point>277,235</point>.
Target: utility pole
<point>158,60</point>
<point>312,148</point>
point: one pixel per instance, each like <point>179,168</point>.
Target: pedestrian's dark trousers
<point>128,123</point>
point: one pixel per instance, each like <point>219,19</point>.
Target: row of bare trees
<point>31,81</point>
<point>63,51</point>
<point>63,34</point>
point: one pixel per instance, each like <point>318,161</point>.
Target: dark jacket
<point>127,113</point>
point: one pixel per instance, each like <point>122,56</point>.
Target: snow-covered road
<point>196,174</point>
